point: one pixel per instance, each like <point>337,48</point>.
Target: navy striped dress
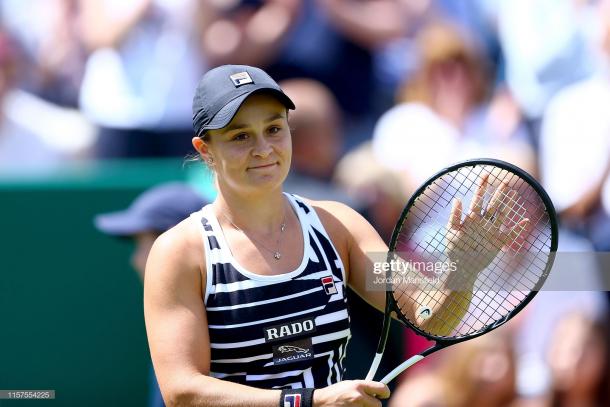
<point>282,331</point>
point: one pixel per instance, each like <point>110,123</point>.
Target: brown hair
<point>439,43</point>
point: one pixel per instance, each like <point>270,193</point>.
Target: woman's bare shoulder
<point>178,250</point>
<point>344,223</point>
<point>336,214</point>
<point>185,236</point>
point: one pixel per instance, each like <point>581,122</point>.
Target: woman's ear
<point>204,151</point>
<point>201,146</point>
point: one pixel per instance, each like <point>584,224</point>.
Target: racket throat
<point>374,366</point>
<point>401,368</point>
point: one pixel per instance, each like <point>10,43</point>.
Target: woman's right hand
<point>351,393</point>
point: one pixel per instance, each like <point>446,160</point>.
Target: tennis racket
<point>454,274</point>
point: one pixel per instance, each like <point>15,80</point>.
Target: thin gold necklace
<point>276,253</point>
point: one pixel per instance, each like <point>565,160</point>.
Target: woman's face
<point>453,78</point>
<point>253,152</point>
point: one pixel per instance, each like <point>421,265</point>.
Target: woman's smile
<point>262,166</point>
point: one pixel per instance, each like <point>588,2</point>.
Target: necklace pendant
<point>277,255</point>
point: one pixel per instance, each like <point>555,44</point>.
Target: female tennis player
<point>245,301</point>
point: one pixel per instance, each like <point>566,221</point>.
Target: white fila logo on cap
<point>242,78</point>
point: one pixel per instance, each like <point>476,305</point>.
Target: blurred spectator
<point>334,42</point>
<point>34,135</point>
<point>443,114</point>
<point>575,148</point>
<point>579,359</point>
<point>546,46</point>
<point>151,214</point>
<point>317,141</point>
<point>381,190</point>
<point>477,16</point>
<point>145,62</point>
<point>49,33</point>
<point>62,55</point>
<point>481,372</point>
<point>248,32</point>
<point>316,128</point>
<point>422,389</point>
<point>399,60</point>
<point>570,287</point>
<point>575,160</point>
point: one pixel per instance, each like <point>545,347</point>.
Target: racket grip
<point>374,366</point>
<point>401,368</point>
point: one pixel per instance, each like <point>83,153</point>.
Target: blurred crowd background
<point>388,92</point>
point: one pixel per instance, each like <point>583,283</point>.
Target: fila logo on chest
<point>329,285</point>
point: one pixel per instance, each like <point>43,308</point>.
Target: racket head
<point>541,240</point>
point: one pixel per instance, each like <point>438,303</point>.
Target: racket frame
<point>440,341</point>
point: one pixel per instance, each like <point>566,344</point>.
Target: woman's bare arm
<point>177,328</point>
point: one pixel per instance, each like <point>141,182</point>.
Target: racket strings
<point>517,264</point>
<point>472,246</point>
<point>501,263</point>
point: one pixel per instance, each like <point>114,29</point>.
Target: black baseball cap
<point>155,210</point>
<point>222,90</point>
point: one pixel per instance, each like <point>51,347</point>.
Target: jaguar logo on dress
<point>290,348</point>
<point>329,285</point>
<point>296,351</point>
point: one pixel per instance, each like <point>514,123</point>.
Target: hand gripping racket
<point>454,274</point>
